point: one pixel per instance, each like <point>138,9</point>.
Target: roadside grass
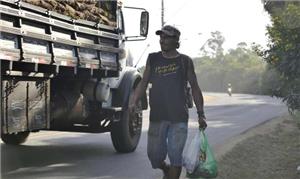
<point>269,151</point>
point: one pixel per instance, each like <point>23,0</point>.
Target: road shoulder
<point>270,150</point>
<point>261,129</point>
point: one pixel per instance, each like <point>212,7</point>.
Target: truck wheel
<point>15,139</point>
<point>126,133</point>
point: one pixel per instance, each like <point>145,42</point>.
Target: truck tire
<point>15,139</point>
<point>126,133</point>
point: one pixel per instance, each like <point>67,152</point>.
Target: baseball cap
<point>169,30</point>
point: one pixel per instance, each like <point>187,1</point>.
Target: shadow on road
<point>70,159</point>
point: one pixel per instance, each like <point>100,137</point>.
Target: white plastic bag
<point>191,152</point>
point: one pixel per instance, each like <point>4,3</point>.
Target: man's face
<point>168,43</point>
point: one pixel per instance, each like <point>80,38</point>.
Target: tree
<point>242,45</point>
<point>283,50</point>
<point>241,67</point>
<point>215,45</point>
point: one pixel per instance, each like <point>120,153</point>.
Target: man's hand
<point>202,123</point>
<point>201,120</point>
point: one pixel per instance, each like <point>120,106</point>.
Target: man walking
<point>168,72</point>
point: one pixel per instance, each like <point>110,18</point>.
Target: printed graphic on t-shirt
<point>166,69</point>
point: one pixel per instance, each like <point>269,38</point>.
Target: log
<point>91,10</point>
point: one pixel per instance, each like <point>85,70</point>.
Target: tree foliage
<point>283,53</point>
<point>241,67</point>
<point>214,45</point>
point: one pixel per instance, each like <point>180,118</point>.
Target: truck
<point>63,70</point>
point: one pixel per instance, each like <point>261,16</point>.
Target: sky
<point>237,20</point>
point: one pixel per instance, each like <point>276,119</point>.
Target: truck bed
<point>34,39</point>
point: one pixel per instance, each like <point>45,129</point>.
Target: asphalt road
<point>63,155</point>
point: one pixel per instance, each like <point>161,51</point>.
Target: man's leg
<point>157,146</point>
<point>174,172</point>
<point>165,168</point>
<point>177,135</point>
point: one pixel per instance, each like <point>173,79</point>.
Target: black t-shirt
<point>167,91</point>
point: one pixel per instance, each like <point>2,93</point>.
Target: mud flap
<point>25,105</point>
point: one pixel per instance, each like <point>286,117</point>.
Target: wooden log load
<point>98,11</point>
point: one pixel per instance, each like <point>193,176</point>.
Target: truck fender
<point>130,80</point>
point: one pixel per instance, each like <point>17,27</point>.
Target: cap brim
<point>158,32</point>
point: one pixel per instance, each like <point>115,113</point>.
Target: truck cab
<point>64,67</point>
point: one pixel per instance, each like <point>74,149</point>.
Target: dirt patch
<point>209,98</point>
<point>271,150</point>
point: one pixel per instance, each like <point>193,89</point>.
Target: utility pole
<point>162,13</point>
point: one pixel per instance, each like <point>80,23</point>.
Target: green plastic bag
<point>207,167</point>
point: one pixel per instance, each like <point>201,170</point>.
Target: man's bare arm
<point>197,95</point>
<point>141,87</point>
<point>196,91</point>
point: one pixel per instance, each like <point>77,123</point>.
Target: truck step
<point>112,109</point>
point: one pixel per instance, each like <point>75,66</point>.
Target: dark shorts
<point>166,138</point>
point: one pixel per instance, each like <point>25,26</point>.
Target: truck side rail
<point>48,42</point>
